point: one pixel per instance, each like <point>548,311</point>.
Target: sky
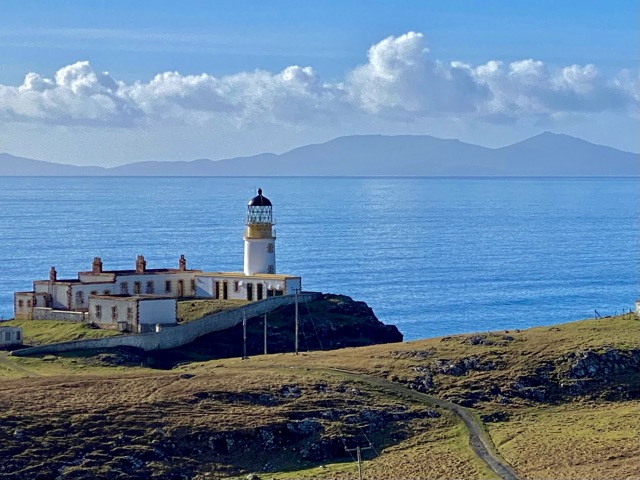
<point>113,82</point>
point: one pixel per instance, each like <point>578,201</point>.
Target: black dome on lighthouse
<point>259,200</point>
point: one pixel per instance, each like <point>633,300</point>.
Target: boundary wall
<point>174,336</point>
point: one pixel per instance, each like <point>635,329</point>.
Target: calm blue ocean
<point>434,256</point>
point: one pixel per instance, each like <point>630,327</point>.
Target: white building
<point>10,336</point>
<point>135,300</point>
<point>132,313</point>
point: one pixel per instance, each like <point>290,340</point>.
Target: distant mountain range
<point>547,154</point>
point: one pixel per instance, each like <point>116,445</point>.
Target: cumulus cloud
<point>76,95</point>
<point>397,80</point>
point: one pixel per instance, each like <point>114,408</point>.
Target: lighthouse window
<point>269,247</point>
<point>270,269</point>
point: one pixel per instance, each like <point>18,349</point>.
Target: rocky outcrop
<point>285,424</point>
<point>331,322</point>
<point>612,374</point>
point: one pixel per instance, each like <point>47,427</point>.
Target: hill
<point>547,154</point>
<point>558,401</point>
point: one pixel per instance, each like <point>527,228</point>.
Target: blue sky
<point>111,82</point>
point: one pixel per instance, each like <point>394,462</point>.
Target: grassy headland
<point>558,402</point>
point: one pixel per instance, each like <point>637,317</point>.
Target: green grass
<point>189,310</point>
<point>39,332</point>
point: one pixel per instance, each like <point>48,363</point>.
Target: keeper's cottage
<point>140,299</point>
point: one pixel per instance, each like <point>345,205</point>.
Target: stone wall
<point>43,313</point>
<point>175,336</point>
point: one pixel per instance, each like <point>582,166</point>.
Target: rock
<point>186,376</point>
<point>495,417</point>
<point>290,391</point>
<point>331,322</point>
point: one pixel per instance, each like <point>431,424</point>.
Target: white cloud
<point>398,81</point>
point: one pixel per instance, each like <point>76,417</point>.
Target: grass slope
<point>83,417</point>
<point>38,332</point>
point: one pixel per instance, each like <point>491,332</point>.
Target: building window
<point>236,286</point>
<point>80,298</point>
<point>136,288</point>
<point>107,292</point>
<point>7,336</point>
<point>150,287</point>
<point>98,311</point>
<point>130,314</point>
<point>18,335</point>
<point>20,303</point>
<point>167,286</point>
<point>193,286</point>
<point>28,303</point>
<point>114,313</point>
<point>94,292</point>
<point>124,288</point>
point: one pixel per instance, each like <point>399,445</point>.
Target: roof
<point>259,200</point>
<point>148,271</point>
<point>241,275</point>
<point>141,297</point>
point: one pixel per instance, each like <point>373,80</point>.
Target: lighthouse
<point>259,237</point>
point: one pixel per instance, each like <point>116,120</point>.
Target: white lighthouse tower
<point>259,237</point>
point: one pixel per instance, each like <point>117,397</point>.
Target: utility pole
<point>244,336</point>
<point>296,322</point>
<point>358,451</point>
<point>265,333</point>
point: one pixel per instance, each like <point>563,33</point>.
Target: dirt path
<point>479,440</point>
<point>12,365</point>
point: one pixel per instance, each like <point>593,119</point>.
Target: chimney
<point>53,275</point>
<point>96,266</point>
<point>182,263</point>
<point>141,265</point>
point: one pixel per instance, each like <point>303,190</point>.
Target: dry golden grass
<point>92,412</point>
<point>76,401</point>
<point>574,441</point>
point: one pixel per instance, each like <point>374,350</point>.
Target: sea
<point>434,256</point>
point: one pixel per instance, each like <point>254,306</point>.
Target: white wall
<point>157,310</point>
<point>59,296</point>
<point>293,284</point>
<point>89,277</point>
<point>257,257</point>
<point>10,336</point>
<point>206,285</point>
<point>106,304</point>
<point>158,280</point>
<point>22,304</point>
